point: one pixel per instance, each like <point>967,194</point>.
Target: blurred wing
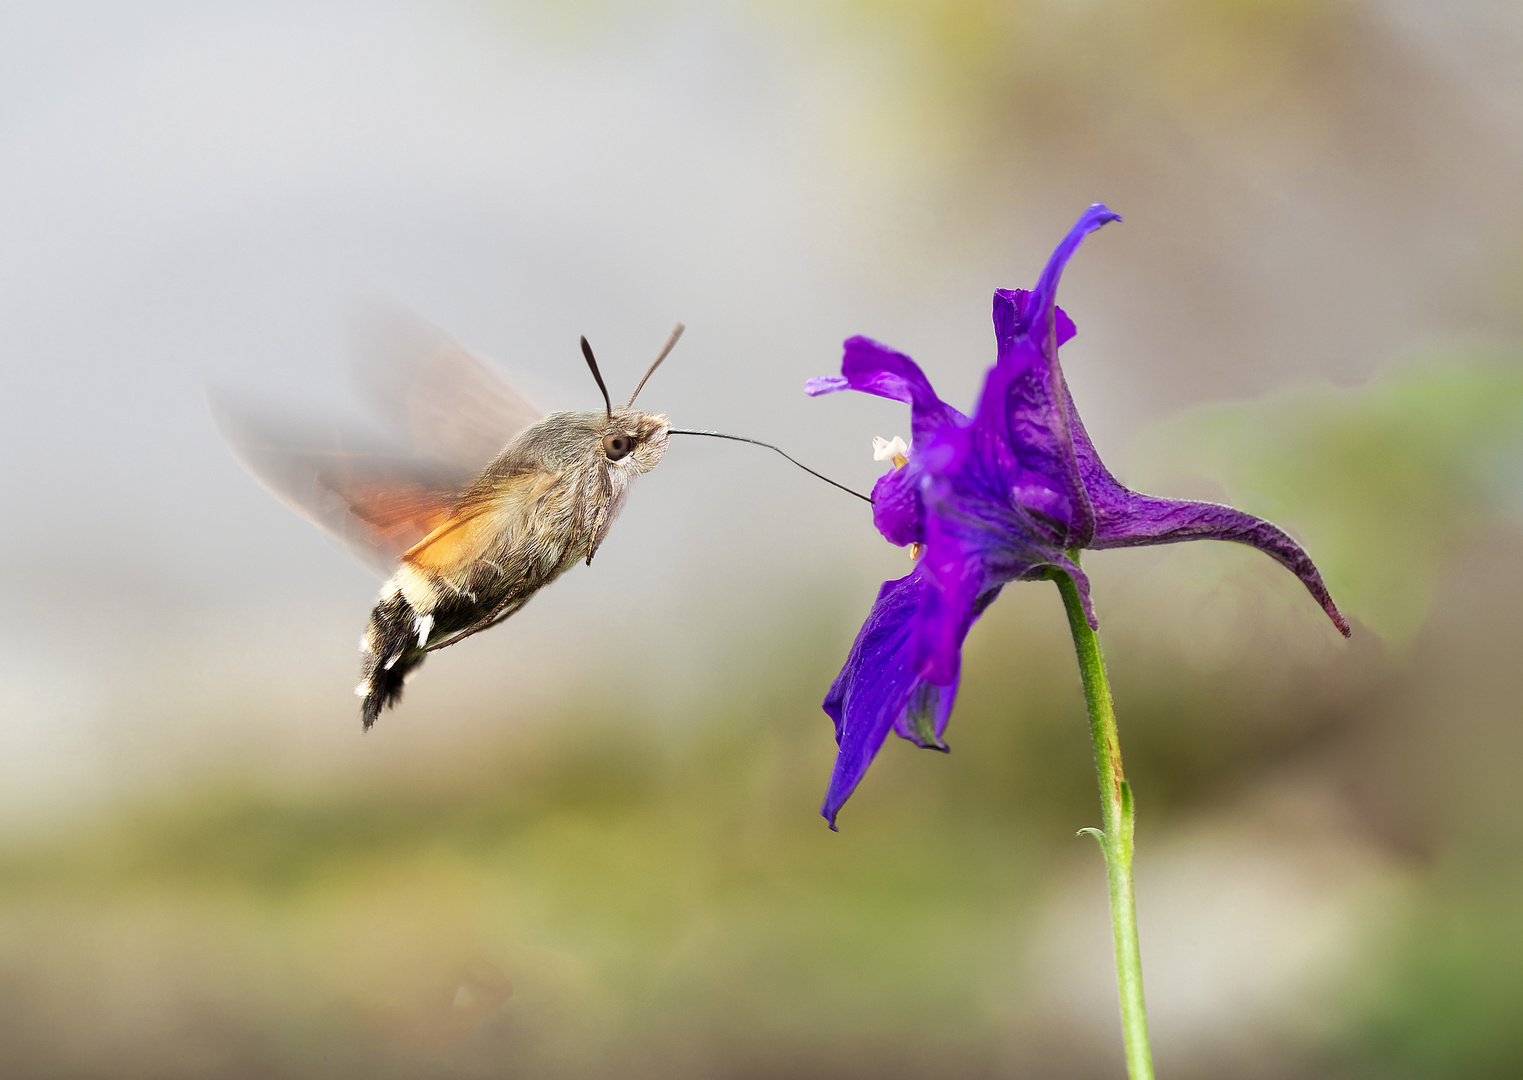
<point>379,503</point>
<point>448,403</point>
<point>472,529</point>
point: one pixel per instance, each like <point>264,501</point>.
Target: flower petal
<point>1124,518</point>
<point>1011,317</point>
<point>957,592</point>
<point>988,521</point>
<point>1022,434</point>
<point>878,691</point>
<point>897,508</point>
<point>1024,396</point>
<point>1039,307</point>
<point>825,384</point>
<point>873,368</point>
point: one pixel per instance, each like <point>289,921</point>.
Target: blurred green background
<point>588,843</point>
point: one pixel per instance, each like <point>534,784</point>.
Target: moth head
<point>633,439</point>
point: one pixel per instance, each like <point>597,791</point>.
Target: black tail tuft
<point>391,653</point>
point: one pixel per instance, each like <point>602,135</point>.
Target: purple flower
<point>1001,496</point>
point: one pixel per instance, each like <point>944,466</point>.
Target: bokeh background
<point>588,844</point>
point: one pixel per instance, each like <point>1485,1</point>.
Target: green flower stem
<point>1116,837</point>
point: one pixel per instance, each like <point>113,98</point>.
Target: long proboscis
<point>654,364</point>
<point>769,446</point>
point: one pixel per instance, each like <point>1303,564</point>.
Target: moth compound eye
<point>618,445</point>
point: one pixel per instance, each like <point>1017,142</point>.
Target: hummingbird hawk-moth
<point>490,502</point>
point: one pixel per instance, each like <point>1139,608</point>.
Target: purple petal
<point>1011,309</point>
<point>1019,439</point>
<point>825,384</point>
<point>1040,304</point>
<point>1024,396</point>
<point>956,594</point>
<point>967,560</point>
<point>876,369</point>
<point>878,691</point>
<point>988,521</point>
<point>955,577</point>
<point>898,511</point>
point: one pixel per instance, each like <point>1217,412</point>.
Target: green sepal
<point>922,716</point>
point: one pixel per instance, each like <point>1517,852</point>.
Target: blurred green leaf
<point>1444,1001</point>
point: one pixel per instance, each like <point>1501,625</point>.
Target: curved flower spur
<point>1009,494</point>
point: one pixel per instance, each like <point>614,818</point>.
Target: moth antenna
<point>769,446</point>
<point>598,375</point>
<point>676,333</point>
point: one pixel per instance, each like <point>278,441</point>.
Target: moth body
<point>543,504</point>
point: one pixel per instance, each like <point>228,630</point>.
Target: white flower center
<point>891,450</point>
